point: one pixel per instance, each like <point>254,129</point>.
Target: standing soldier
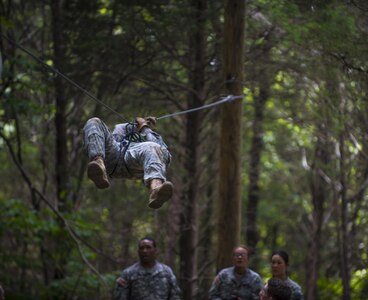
<point>279,268</point>
<point>147,279</point>
<point>237,282</point>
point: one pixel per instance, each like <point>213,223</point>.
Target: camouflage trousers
<point>144,160</point>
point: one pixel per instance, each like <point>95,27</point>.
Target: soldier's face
<point>240,257</point>
<point>278,266</point>
<point>146,251</point>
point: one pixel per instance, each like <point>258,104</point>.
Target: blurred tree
<point>303,176</point>
<point>231,128</point>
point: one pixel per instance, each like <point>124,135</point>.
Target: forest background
<point>304,141</point>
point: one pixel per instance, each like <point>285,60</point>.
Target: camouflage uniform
<point>142,160</point>
<point>228,286</point>
<point>296,290</point>
<point>158,283</point>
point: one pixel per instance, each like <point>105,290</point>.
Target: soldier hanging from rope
<point>134,150</point>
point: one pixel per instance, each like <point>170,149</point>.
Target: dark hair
<point>283,255</point>
<point>278,289</point>
<point>149,239</point>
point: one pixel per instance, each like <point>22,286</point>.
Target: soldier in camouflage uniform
<point>148,279</point>
<point>279,265</point>
<point>132,150</point>
<point>237,282</point>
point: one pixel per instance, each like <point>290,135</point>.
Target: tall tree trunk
<point>319,193</point>
<point>61,105</point>
<point>321,166</point>
<point>230,141</point>
<point>344,227</point>
<point>205,251</point>
<point>61,167</point>
<point>189,218</point>
<point>256,150</point>
<point>344,241</point>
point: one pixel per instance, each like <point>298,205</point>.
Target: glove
<point>151,122</point>
<point>141,123</point>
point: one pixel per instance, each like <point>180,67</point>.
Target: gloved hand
<point>151,122</point>
<point>141,123</point>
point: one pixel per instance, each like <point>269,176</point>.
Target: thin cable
<point>1,64</point>
<point>63,76</point>
<point>226,99</point>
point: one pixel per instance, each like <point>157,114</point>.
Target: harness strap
<point>124,161</point>
<point>132,135</point>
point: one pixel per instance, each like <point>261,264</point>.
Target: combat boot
<point>160,193</point>
<point>96,171</point>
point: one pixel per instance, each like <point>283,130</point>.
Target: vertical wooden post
<point>230,146</point>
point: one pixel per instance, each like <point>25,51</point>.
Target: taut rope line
<point>63,76</point>
<point>228,98</point>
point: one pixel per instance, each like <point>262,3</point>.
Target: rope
<point>63,76</point>
<point>226,99</point>
<point>130,136</point>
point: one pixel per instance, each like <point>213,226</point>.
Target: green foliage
<point>330,288</point>
<point>134,55</point>
<point>25,232</point>
<point>84,284</point>
<point>359,283</point>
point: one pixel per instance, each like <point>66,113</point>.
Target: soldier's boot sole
<point>160,195</point>
<point>98,175</point>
